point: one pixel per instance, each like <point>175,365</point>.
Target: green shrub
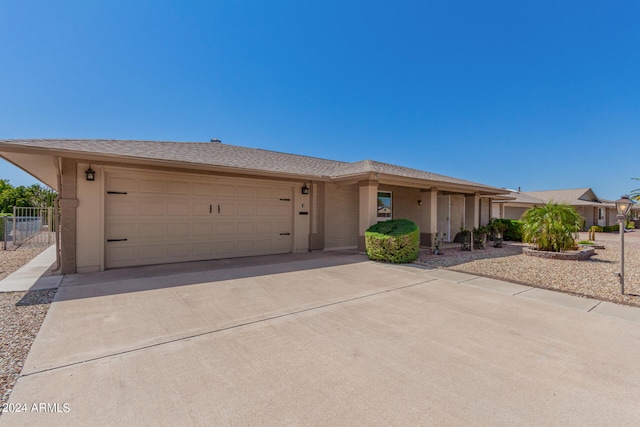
<point>396,241</point>
<point>551,227</point>
<point>596,228</point>
<point>512,228</point>
<point>462,236</point>
<point>611,228</point>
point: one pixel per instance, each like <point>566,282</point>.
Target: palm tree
<point>551,227</point>
<point>635,194</point>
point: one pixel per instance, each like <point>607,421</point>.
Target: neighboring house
<point>162,202</point>
<point>594,210</point>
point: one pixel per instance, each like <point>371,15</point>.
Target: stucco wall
<point>511,212</point>
<point>405,202</point>
<point>341,216</point>
<point>89,220</point>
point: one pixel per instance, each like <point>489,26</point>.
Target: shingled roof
<point>232,156</point>
<point>574,196</point>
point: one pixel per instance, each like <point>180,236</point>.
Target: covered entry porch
<point>438,211</point>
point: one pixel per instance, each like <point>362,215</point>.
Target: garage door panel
<point>264,210</point>
<point>153,186</point>
<point>282,227</point>
<point>152,252</point>
<point>172,219</point>
<point>200,189</point>
<point>282,193</point>
<point>203,249</point>
<point>227,208</point>
<point>120,230</point>
<point>178,230</point>
<point>122,207</point>
<point>201,229</point>
<point>225,228</point>
<point>121,254</point>
<point>122,184</point>
<point>264,192</point>
<point>245,228</point>
<point>281,210</point>
<point>179,208</point>
<point>152,207</point>
<point>226,248</point>
<point>152,231</point>
<point>264,228</point>
<point>283,245</point>
<point>226,190</point>
<point>179,251</point>
<point>201,208</point>
<point>246,209</point>
<point>179,188</point>
<point>246,191</point>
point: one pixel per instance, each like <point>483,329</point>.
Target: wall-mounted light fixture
<point>90,174</point>
<point>420,202</point>
<point>305,189</point>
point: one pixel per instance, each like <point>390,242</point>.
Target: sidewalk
<point>33,275</point>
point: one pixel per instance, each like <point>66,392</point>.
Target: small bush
<point>611,228</point>
<point>462,236</point>
<point>396,241</point>
<point>596,228</point>
<point>512,228</point>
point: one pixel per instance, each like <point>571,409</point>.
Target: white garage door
<point>155,219</point>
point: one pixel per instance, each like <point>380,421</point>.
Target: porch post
<point>471,214</point>
<point>429,217</point>
<point>368,209</point>
<point>68,203</point>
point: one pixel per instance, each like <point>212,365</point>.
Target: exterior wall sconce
<point>90,174</point>
<point>305,189</point>
<point>420,202</point>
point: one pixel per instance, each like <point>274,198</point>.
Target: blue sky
<point>541,95</point>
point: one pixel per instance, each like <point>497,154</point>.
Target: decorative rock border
<point>581,254</point>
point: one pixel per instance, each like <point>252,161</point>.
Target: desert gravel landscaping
<point>592,278</point>
<point>21,314</point>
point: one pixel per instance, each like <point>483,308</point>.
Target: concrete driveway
<point>325,339</point>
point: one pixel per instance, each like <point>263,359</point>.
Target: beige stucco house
<point>594,210</point>
<point>161,202</point>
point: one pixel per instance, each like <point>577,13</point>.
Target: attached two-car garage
<point>153,218</point>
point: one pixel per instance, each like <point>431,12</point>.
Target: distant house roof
<point>231,156</point>
<point>575,197</point>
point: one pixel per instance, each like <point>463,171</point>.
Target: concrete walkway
<point>32,276</point>
<point>323,339</point>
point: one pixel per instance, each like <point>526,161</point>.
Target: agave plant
<point>551,227</point>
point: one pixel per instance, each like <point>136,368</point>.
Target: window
<point>600,213</point>
<point>385,208</point>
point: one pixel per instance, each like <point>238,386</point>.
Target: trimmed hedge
<point>513,229</point>
<point>396,241</point>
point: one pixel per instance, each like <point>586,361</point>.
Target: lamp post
<point>623,205</point>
